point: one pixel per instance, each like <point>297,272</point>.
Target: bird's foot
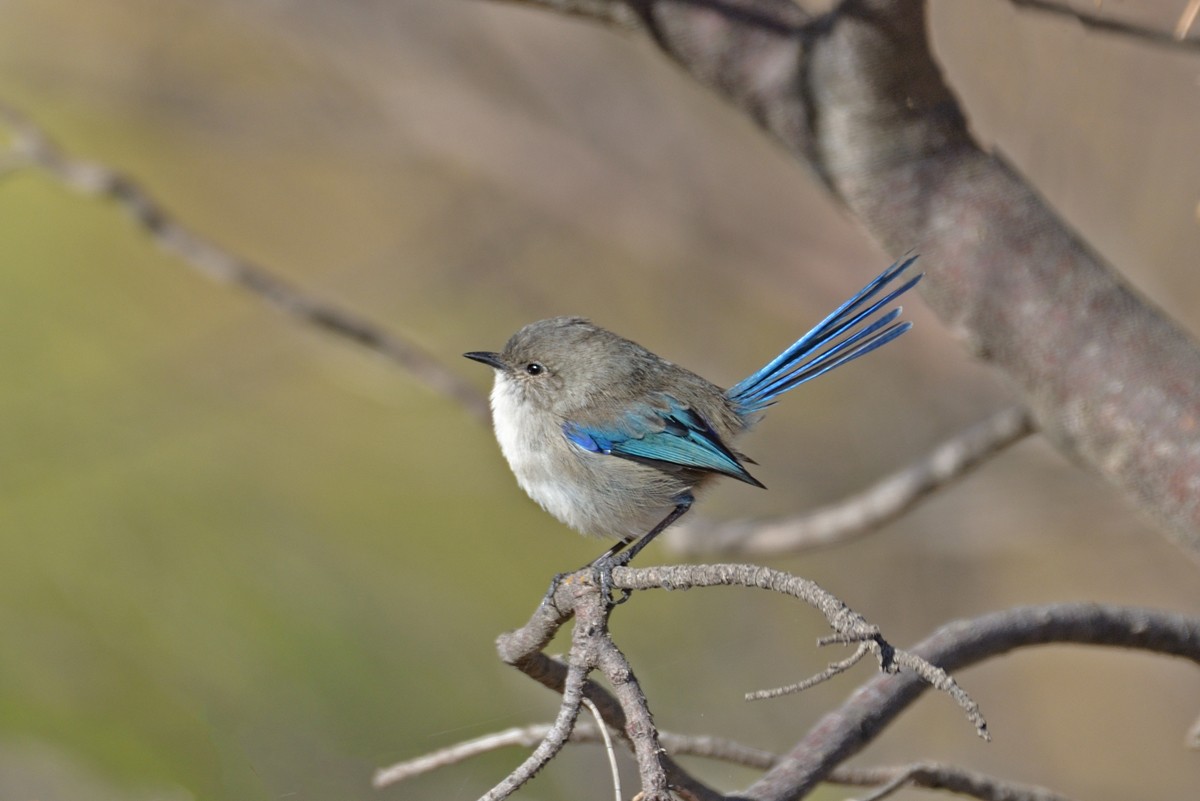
<point>602,570</point>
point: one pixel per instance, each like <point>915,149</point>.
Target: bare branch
<point>812,681</point>
<point>929,775</point>
<point>32,147</point>
<point>608,747</point>
<point>849,627</point>
<point>860,514</point>
<point>936,776</point>
<point>617,14</point>
<point>845,731</point>
<point>523,736</point>
<point>1187,19</point>
<point>627,711</point>
<point>1176,38</point>
<point>1192,739</point>
<point>553,742</point>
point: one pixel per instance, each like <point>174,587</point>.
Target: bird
<point>615,441</point>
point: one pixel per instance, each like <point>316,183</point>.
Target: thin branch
<point>608,747</point>
<point>1187,19</point>
<point>812,681</point>
<point>1176,38</point>
<point>626,710</point>
<point>937,776</point>
<point>860,514</point>
<point>617,14</point>
<point>847,730</point>
<point>1192,739</point>
<point>553,742</point>
<point>849,626</point>
<point>30,146</point>
<point>929,775</point>
<point>523,736</point>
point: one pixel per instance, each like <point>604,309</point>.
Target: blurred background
<point>242,560</point>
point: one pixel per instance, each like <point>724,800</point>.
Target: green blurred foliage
<point>242,560</point>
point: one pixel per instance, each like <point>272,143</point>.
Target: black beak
<point>486,357</point>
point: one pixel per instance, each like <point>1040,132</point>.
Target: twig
<point>849,626</point>
<point>524,736</point>
<point>812,681</point>
<point>1192,738</point>
<point>32,147</point>
<point>552,743</point>
<point>1186,19</point>
<point>1109,25</point>
<point>627,710</point>
<point>617,14</point>
<point>864,512</point>
<point>608,748</point>
<point>936,776</point>
<point>845,731</point>
<point>929,775</point>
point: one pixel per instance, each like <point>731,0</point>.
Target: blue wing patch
<point>672,439</point>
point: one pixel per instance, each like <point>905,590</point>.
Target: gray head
<point>560,362</point>
<point>567,363</point>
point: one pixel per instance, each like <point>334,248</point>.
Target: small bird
<point>615,441</point>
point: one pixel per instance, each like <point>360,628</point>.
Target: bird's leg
<point>616,557</point>
<point>558,577</point>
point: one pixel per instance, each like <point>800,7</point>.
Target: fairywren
<point>615,441</point>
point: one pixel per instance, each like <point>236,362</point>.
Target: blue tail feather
<point>801,362</point>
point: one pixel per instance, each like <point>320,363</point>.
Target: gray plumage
<point>595,379</point>
<point>615,441</point>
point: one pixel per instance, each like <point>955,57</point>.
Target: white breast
<point>592,493</point>
<point>529,442</point>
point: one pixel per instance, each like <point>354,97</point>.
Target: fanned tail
<point>848,334</point>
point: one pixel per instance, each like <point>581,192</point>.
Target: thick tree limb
<point>857,95</point>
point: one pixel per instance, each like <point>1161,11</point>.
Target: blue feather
<point>802,362</point>
<point>671,438</point>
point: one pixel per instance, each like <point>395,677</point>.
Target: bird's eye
<point>533,368</point>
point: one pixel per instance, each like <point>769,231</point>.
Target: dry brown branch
<point>554,740</point>
<point>618,15</point>
<point>30,146</point>
<point>1192,739</point>
<point>929,775</point>
<point>862,513</point>
<point>845,731</point>
<point>842,733</point>
<point>848,626</point>
<point>626,709</point>
<point>609,751</point>
<point>857,95</point>
<point>1098,22</point>
<point>1187,19</point>
<point>832,670</point>
<point>937,776</point>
